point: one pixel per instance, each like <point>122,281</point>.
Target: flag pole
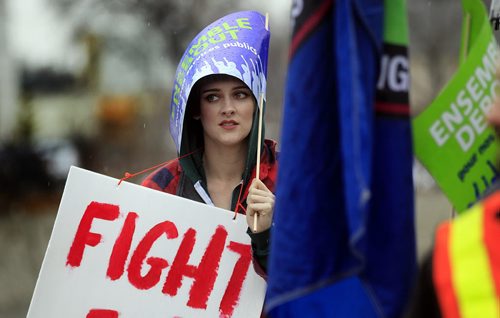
<point>259,136</point>
<point>259,144</point>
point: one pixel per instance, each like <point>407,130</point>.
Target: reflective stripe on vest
<point>466,265</point>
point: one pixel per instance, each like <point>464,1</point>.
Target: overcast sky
<point>38,36</point>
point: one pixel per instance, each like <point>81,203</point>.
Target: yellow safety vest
<point>466,262</point>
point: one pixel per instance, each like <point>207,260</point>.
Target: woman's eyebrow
<point>241,87</point>
<point>210,90</point>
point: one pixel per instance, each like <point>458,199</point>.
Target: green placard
<point>452,138</point>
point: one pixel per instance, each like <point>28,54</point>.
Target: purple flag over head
<point>237,45</point>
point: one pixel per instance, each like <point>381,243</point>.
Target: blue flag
<point>343,242</point>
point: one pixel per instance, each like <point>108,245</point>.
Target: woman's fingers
<point>260,201</point>
<point>256,191</point>
<point>261,208</point>
<point>260,192</point>
<point>252,198</point>
<point>258,184</point>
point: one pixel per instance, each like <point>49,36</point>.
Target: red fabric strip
<point>392,108</point>
<point>129,175</point>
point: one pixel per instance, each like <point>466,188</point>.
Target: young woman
<point>217,139</point>
<point>217,167</point>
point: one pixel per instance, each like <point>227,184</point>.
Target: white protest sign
<point>126,251</point>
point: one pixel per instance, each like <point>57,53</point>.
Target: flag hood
<point>236,45</point>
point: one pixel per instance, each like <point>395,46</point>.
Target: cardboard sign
<point>452,138</point>
<point>128,251</point>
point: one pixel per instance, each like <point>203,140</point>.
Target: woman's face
<point>226,111</point>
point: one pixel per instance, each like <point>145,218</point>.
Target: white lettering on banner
<point>462,119</point>
<point>394,71</point>
<point>438,133</point>
<point>465,137</point>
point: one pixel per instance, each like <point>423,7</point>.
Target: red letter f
<point>84,236</point>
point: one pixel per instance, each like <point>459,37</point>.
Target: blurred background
<point>87,83</point>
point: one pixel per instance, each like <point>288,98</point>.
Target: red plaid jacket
<point>167,178</point>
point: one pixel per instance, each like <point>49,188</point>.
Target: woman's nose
<point>228,108</point>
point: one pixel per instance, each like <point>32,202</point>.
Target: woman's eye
<point>241,95</point>
<point>211,98</point>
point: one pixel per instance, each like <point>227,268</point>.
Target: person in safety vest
<point>461,277</point>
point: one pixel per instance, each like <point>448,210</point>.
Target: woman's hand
<point>260,201</point>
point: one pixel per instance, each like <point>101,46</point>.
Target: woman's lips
<point>228,124</point>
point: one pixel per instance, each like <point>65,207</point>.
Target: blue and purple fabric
<point>236,44</point>
<point>343,242</point>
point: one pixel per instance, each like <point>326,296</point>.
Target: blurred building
<point>87,83</point>
<point>8,79</point>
